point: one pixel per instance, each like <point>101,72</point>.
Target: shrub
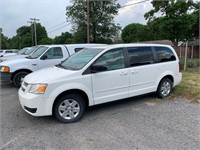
<point>191,63</point>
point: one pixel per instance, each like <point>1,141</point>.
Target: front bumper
<point>5,76</point>
<point>35,104</point>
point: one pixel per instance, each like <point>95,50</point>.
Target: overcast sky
<point>51,13</point>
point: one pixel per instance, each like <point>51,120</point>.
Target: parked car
<point>98,75</point>
<point>21,54</point>
<point>49,55</point>
<point>8,52</point>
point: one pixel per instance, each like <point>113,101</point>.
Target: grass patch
<point>189,86</point>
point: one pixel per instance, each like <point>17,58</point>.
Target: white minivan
<point>98,75</point>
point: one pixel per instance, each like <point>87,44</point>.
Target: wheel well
<point>13,74</point>
<point>75,91</point>
<point>170,77</point>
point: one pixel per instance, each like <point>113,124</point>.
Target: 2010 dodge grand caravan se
<point>98,75</point>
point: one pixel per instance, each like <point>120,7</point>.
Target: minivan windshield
<point>37,53</point>
<point>78,60</point>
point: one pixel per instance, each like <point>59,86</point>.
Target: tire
<point>164,88</point>
<point>69,108</point>
<point>18,78</point>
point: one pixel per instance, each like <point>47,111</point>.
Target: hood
<point>16,62</point>
<point>5,58</point>
<point>48,74</point>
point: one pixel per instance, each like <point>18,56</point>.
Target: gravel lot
<point>141,123</point>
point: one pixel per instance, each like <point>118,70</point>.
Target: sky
<point>51,14</point>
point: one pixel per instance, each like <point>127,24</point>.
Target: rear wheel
<point>69,108</point>
<point>164,88</point>
<point>19,77</point>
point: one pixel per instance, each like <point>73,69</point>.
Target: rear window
<point>164,54</point>
<point>140,56</point>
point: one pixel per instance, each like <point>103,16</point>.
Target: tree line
<point>170,20</point>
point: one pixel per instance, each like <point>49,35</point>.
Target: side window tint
<point>164,54</point>
<point>112,60</point>
<point>140,56</point>
<point>77,49</point>
<point>54,53</point>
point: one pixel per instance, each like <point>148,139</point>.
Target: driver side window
<point>112,60</point>
<point>54,53</point>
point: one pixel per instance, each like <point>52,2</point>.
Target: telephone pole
<point>88,22</point>
<point>34,21</point>
<point>32,32</point>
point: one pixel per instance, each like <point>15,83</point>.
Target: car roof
<point>129,45</point>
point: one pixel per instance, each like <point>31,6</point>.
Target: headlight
<point>38,88</point>
<point>4,69</point>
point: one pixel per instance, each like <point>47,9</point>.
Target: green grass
<point>189,86</point>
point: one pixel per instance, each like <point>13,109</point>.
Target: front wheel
<point>69,108</point>
<point>18,78</point>
<point>164,88</point>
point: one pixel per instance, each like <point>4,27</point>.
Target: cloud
<point>133,13</point>
<point>16,13</point>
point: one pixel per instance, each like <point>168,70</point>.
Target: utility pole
<point>88,22</point>
<point>34,21</point>
<point>32,32</point>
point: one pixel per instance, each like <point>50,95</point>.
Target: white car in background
<point>21,53</point>
<point>8,52</point>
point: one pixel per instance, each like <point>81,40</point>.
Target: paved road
<point>141,123</point>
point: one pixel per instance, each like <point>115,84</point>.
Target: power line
<point>56,25</point>
<point>134,3</point>
<point>59,28</point>
<point>133,12</point>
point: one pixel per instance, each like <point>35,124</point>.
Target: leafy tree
<point>64,38</point>
<point>101,16</point>
<point>136,32</point>
<point>46,41</point>
<point>176,21</point>
<point>3,41</point>
<point>25,34</point>
<point>41,32</point>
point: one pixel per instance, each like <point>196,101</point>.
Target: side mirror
<point>43,57</point>
<point>98,68</point>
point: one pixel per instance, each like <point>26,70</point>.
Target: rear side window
<point>140,56</point>
<point>164,54</point>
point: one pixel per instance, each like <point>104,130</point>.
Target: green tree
<point>46,41</point>
<point>176,21</point>
<point>3,40</point>
<point>101,16</point>
<point>64,38</point>
<point>136,32</point>
<point>25,35</point>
